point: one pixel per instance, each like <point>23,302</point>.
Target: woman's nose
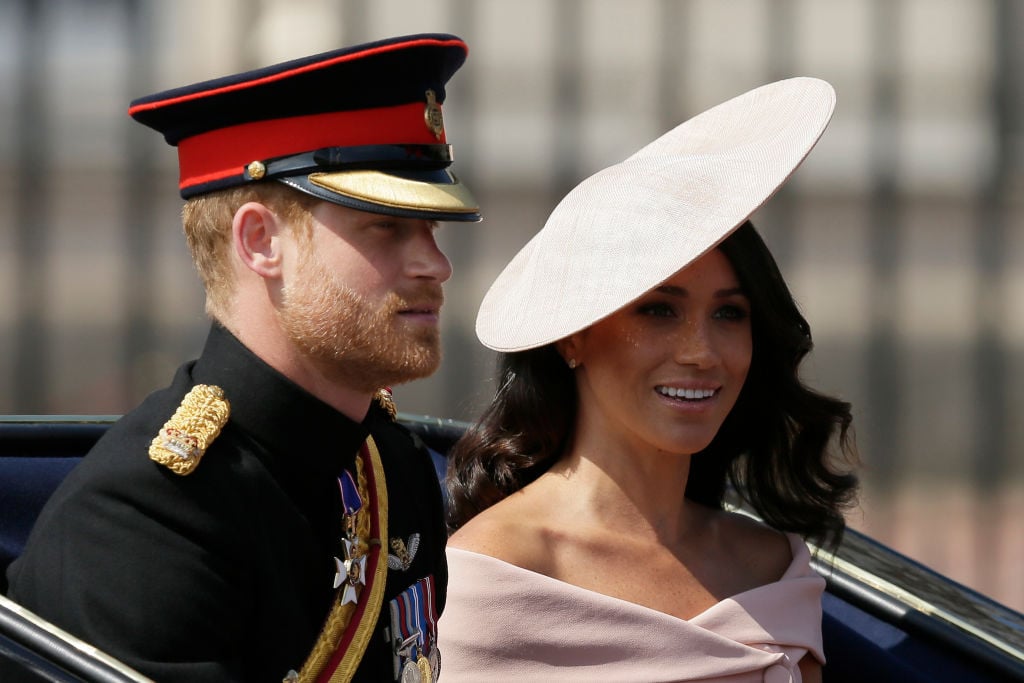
<point>695,345</point>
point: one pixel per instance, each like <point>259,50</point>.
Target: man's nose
<point>427,260</point>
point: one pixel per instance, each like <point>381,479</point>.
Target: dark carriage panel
<point>886,617</point>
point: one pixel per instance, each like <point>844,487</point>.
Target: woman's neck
<point>620,488</point>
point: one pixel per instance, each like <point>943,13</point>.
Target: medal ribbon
<point>431,605</point>
<point>351,501</point>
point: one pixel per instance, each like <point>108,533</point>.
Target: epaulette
<point>385,401</point>
<point>190,431</point>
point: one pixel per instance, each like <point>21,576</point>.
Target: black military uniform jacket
<point>225,574</point>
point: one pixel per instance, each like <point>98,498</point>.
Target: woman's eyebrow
<point>674,290</point>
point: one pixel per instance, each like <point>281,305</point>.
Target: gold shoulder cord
<point>184,438</point>
<point>340,616</point>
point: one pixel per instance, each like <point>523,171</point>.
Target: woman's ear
<point>256,234</point>
<point>570,348</point>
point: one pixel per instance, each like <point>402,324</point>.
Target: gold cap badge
<point>432,115</point>
<point>193,427</point>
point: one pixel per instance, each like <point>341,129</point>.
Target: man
<point>264,518</point>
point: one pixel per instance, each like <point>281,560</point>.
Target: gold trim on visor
<point>400,193</point>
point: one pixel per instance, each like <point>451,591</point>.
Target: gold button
<point>256,170</point>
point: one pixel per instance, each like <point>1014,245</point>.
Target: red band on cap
<point>225,152</point>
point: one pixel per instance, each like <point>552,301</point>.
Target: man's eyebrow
<point>673,290</point>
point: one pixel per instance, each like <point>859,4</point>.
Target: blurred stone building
<point>902,236</point>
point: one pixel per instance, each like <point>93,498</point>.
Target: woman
<point>651,348</point>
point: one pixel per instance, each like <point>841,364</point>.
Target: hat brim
<point>626,229</point>
<point>433,195</point>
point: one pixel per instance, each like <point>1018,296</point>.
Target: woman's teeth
<point>688,394</point>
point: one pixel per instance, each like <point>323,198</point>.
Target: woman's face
<point>666,370</point>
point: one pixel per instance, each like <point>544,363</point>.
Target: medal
<point>424,666</point>
<point>350,572</point>
<point>414,633</point>
<point>411,673</point>
<point>435,661</point>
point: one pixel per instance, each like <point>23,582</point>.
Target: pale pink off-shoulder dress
<point>505,623</point>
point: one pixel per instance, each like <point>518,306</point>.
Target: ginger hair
<point>207,219</point>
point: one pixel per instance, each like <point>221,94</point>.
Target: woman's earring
<point>572,363</point>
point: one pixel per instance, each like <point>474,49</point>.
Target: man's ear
<point>257,235</point>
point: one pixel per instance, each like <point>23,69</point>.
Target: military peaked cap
<point>359,126</point>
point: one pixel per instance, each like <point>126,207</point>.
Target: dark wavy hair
<point>774,449</point>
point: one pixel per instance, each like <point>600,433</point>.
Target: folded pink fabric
<point>502,622</point>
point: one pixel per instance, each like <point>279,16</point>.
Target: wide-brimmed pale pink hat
<point>631,226</point>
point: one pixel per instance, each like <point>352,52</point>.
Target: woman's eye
<point>731,313</point>
<point>658,309</point>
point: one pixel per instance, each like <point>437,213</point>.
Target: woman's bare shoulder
<point>506,531</point>
<point>764,553</point>
<point>483,532</point>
